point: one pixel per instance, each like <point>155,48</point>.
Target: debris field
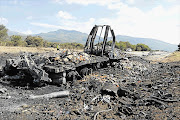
<point>133,88</point>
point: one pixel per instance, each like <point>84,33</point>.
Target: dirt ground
<point>13,49</point>
<point>158,56</point>
<point>175,56</point>
<point>146,90</point>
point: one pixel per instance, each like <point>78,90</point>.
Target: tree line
<point>125,45</point>
<point>37,41</point>
<point>32,41</point>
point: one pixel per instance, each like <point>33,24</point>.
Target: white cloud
<point>159,23</point>
<point>65,15</point>
<point>29,17</point>
<point>115,6</point>
<point>130,1</point>
<point>17,2</point>
<point>86,2</point>
<point>171,0</point>
<point>46,25</point>
<point>70,25</point>
<point>13,2</point>
<point>79,26</point>
<point>3,21</point>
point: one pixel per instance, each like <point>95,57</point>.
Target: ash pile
<point>56,68</point>
<point>132,88</point>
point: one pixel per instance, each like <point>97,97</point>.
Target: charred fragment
<point>25,68</point>
<point>99,83</point>
<point>66,65</point>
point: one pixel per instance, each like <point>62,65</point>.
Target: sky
<point>158,19</point>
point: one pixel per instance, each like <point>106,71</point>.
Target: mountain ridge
<point>64,36</point>
<point>152,43</point>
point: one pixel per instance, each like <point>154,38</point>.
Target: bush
<point>36,41</point>
<point>16,40</point>
<point>71,46</point>
<point>3,35</point>
<point>125,45</point>
<point>142,47</point>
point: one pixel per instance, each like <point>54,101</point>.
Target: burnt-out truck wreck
<point>65,65</point>
<point>119,86</point>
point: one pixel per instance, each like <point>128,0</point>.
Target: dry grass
<point>174,57</point>
<point>12,49</point>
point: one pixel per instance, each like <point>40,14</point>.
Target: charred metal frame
<point>89,46</point>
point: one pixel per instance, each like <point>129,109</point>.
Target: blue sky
<point>158,19</point>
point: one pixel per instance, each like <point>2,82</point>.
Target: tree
<point>45,44</point>
<point>79,46</point>
<point>16,40</point>
<point>36,41</point>
<point>133,47</point>
<point>122,45</point>
<point>138,48</point>
<point>3,34</point>
<point>29,40</point>
<point>70,45</point>
<point>109,43</point>
<point>142,47</point>
<point>128,45</point>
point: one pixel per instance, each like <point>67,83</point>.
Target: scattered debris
<point>5,97</point>
<point>136,90</point>
<point>3,90</point>
<point>94,84</point>
<point>51,95</point>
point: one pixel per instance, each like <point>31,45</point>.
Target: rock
<point>70,57</point>
<point>65,60</point>
<point>1,71</point>
<point>3,90</point>
<point>106,98</point>
<point>109,89</point>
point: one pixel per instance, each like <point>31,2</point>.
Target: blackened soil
<point>146,91</point>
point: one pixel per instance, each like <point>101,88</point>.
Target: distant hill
<point>152,43</point>
<point>64,36</point>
